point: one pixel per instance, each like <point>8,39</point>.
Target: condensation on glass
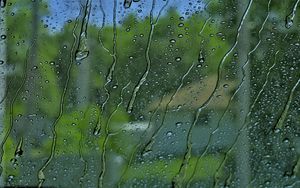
<point>150,93</point>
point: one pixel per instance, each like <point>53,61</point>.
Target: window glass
<point>150,93</point>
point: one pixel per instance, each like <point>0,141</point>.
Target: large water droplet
<point>127,3</point>
<point>289,21</point>
<point>2,3</point>
<point>41,176</point>
<point>82,51</point>
<point>172,41</point>
<point>19,150</point>
<point>96,131</point>
<point>178,59</point>
<point>80,55</point>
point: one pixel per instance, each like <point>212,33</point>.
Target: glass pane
<point>150,93</point>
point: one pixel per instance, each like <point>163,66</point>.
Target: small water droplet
<point>3,37</point>
<point>286,140</point>
<point>1,62</point>
<point>146,153</point>
<point>180,25</point>
<point>169,133</point>
<point>201,58</point>
<point>225,85</point>
<point>178,124</point>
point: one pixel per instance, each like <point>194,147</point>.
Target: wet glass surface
<point>150,93</point>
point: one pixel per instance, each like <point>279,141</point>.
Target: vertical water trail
<point>149,145</point>
<point>11,108</point>
<point>245,120</point>
<point>82,51</point>
<point>41,175</point>
<point>178,179</point>
<point>233,95</point>
<point>100,30</point>
<point>284,113</point>
<point>139,144</point>
<point>85,163</point>
<point>289,21</point>
<point>111,70</point>
<point>148,59</point>
<point>107,134</point>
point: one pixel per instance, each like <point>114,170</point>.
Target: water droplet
<point>41,175</point>
<point>82,51</point>
<point>180,35</point>
<point>3,37</point>
<point>127,3</point>
<point>80,55</point>
<point>146,153</point>
<point>178,59</point>
<point>19,151</point>
<point>169,133</point>
<point>1,62</point>
<point>96,131</point>
<point>172,41</point>
<point>180,25</point>
<point>10,178</point>
<point>2,3</point>
<point>289,21</point>
<point>225,85</point>
<point>178,124</point>
<point>201,58</point>
<point>286,140</point>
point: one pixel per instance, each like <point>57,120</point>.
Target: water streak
<point>41,175</point>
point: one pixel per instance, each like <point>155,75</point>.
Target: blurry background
<point>150,93</point>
